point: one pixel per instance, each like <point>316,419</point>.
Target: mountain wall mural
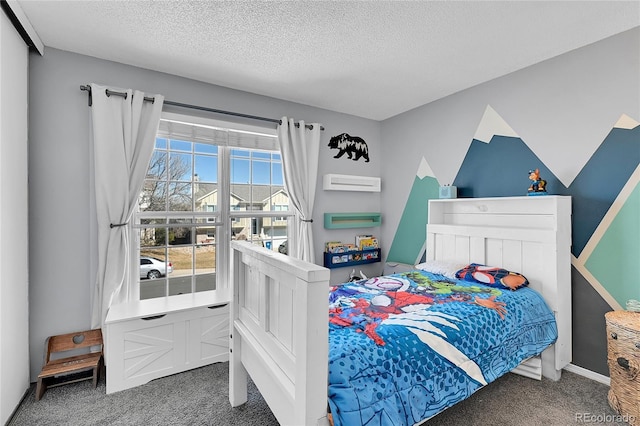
<point>605,200</point>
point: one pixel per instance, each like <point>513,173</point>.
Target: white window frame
<point>223,212</point>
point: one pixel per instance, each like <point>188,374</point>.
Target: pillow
<point>492,276</point>
<point>442,267</point>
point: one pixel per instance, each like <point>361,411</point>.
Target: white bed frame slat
<point>279,313</point>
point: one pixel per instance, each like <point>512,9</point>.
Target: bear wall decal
<point>354,146</point>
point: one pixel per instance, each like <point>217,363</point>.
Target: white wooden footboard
<point>279,333</point>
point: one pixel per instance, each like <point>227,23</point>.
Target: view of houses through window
<point>189,209</point>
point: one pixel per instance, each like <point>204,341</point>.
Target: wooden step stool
<point>57,366</point>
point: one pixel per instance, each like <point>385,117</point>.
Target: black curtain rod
<point>87,88</point>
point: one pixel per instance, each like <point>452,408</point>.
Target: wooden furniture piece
<point>531,235</point>
<point>153,338</point>
<point>279,333</point>
<point>623,345</point>
<point>279,310</point>
<point>59,369</point>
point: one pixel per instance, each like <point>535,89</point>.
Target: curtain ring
<point>114,225</point>
<point>307,220</point>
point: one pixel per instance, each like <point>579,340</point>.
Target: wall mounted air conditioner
<point>351,183</point>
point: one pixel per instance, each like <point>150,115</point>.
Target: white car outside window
<point>153,268</point>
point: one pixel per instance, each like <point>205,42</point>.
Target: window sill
<point>164,305</point>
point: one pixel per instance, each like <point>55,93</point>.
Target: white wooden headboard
<point>530,235</point>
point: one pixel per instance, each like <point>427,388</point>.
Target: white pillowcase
<point>442,267</point>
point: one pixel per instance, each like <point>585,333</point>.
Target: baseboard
<point>588,374</point>
<point>15,410</point>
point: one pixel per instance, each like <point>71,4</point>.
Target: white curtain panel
<point>124,131</point>
<point>300,149</point>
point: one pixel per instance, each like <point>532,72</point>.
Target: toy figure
<point>538,185</point>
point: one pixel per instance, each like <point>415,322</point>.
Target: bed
<point>281,316</point>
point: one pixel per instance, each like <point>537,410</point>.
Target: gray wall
<point>60,192</point>
<point>562,109</point>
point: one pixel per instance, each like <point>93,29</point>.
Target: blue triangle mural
<point>500,169</point>
<point>600,181</point>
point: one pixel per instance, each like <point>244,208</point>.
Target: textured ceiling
<point>373,59</point>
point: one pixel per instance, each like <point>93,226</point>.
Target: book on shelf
<point>329,246</point>
<point>338,247</point>
<point>366,242</point>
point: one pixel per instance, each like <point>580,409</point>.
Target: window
<point>206,185</point>
<point>281,208</point>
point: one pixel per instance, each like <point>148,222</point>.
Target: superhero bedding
<point>404,347</point>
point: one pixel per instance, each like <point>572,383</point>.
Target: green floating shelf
<point>351,220</point>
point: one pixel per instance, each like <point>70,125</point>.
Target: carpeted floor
<point>195,397</point>
<point>199,397</point>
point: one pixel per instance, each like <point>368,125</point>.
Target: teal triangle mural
<point>408,243</point>
<point>610,265</point>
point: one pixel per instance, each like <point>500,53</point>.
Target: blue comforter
<point>404,347</point>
